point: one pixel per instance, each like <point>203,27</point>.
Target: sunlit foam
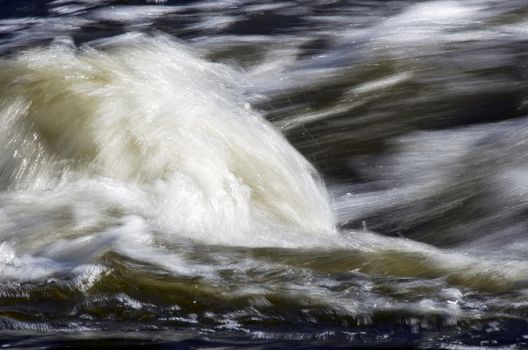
<point>151,115</point>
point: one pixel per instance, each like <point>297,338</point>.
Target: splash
<point>138,125</point>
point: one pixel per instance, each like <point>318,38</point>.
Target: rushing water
<point>240,174</point>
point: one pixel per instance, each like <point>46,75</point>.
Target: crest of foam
<point>149,113</point>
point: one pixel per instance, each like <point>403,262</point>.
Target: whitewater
<point>217,174</point>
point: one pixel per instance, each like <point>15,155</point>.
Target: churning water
<point>206,174</point>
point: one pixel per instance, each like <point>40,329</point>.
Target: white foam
<point>130,13</point>
<point>25,267</point>
<point>449,311</point>
<point>428,21</point>
<point>137,140</point>
<point>87,275</point>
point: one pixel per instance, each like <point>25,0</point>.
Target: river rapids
<point>263,175</point>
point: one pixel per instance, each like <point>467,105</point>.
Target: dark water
<point>413,112</point>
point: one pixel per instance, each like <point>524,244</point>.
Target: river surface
<point>263,175</point>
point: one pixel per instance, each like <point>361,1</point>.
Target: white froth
<point>108,144</point>
<point>155,115</point>
<point>25,267</point>
<point>130,13</point>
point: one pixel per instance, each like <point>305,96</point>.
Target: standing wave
<point>142,125</point>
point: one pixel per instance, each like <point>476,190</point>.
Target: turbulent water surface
<point>248,174</point>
